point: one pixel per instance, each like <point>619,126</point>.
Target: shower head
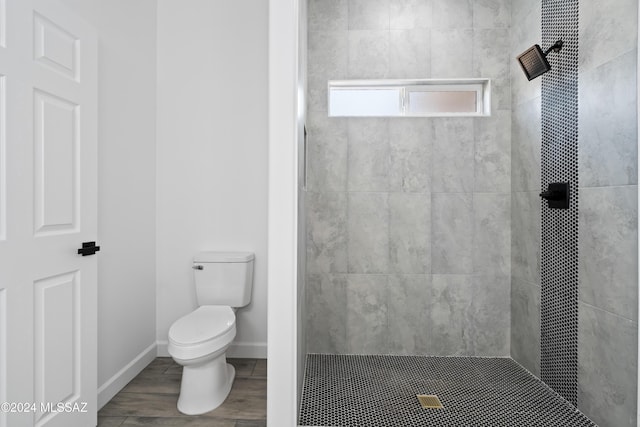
<point>534,61</point>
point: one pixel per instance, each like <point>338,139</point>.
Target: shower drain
<point>429,401</point>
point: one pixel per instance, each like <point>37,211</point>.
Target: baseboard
<point>117,382</point>
<point>243,350</point>
<point>248,350</point>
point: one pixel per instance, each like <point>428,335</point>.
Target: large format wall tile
<point>452,231</point>
<point>453,158</point>
<point>409,54</point>
<point>326,153</point>
<point>608,28</point>
<point>328,15</point>
<point>492,228</point>
<point>492,167</point>
<point>326,313</point>
<point>367,331</point>
<point>445,65</point>
<point>608,134</point>
<point>492,14</point>
<point>369,160</point>
<point>327,60</point>
<point>607,367</point>
<point>468,315</point>
<point>525,236</point>
<point>368,54</point>
<point>326,232</point>
<point>410,233</point>
<point>452,14</point>
<point>526,140</point>
<point>491,58</point>
<point>410,14</point>
<point>368,233</point>
<point>407,297</point>
<point>410,149</point>
<point>608,249</point>
<point>525,324</point>
<point>369,14</point>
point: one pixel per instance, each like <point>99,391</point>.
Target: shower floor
<point>381,391</point>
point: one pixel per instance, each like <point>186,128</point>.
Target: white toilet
<point>199,340</point>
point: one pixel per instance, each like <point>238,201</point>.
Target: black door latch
<point>88,248</point>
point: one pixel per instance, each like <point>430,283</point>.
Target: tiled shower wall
<point>409,220</point>
<point>608,239</point>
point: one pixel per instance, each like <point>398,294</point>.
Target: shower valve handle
<point>557,195</point>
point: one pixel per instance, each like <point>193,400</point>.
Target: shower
<point>534,61</point>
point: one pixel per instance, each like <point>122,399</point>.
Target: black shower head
<point>534,61</point>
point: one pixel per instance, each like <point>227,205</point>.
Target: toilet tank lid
<point>223,257</point>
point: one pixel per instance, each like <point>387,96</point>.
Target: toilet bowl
<point>198,342</point>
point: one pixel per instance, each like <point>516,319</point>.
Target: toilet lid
<point>204,324</point>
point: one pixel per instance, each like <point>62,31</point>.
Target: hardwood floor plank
<point>110,421</point>
<point>177,422</point>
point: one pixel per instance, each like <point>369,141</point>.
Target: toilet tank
<point>223,278</point>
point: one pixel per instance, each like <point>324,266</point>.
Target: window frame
<point>481,86</point>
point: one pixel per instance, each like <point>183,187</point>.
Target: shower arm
<point>556,48</point>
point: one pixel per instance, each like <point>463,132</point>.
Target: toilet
<point>199,340</point>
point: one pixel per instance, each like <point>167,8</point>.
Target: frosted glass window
<point>443,102</point>
<point>412,98</point>
<point>365,102</point>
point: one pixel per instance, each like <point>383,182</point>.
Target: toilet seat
<point>201,332</point>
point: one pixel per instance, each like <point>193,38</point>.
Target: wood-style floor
<point>150,399</point>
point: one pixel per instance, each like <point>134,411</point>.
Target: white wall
<point>211,153</point>
<point>127,96</point>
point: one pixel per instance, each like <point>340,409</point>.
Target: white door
<point>48,208</point>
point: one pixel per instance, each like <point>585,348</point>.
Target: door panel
<point>56,130</point>
<point>47,291</point>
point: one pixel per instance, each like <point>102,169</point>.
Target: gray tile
<point>491,13</point>
<point>525,32</point>
<point>491,56</point>
<point>407,296</point>
<point>326,311</point>
<point>368,233</point>
<point>368,164</point>
<point>492,228</point>
<point>488,322</point>
<point>608,28</point>
<point>492,166</point>
<point>327,148</point>
<point>368,14</point>
<point>368,54</point>
<point>607,367</point>
<point>410,233</point>
<point>327,56</point>
<point>327,60</point>
<point>327,15</point>
<point>452,14</point>
<point>526,137</point>
<point>409,54</point>
<point>367,331</point>
<point>608,133</point>
<point>410,14</point>
<point>525,236</point>
<point>608,247</point>
<point>525,324</point>
<point>410,149</point>
<point>452,233</point>
<point>326,232</point>
<point>451,52</point>
<point>453,157</point>
<point>501,94</point>
<point>461,316</point>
